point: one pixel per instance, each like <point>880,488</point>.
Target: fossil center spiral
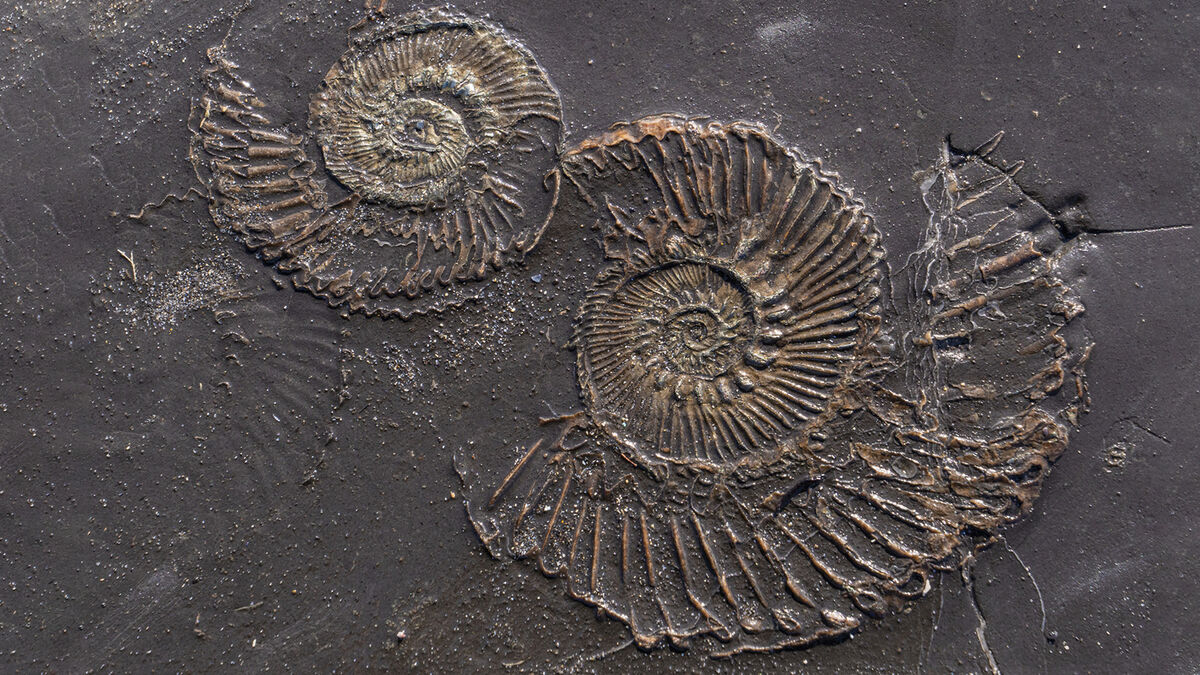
<point>422,138</point>
<point>676,337</point>
<point>397,147</point>
<point>697,321</point>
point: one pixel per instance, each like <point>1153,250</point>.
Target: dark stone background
<point>204,469</point>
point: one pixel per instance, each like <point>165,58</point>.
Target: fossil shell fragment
<point>442,128</point>
<point>755,524</point>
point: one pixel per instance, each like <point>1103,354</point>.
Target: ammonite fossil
<point>725,336</point>
<point>443,130</point>
<point>773,448</point>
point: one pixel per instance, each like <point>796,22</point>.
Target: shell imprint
<point>443,129</point>
<point>754,464</point>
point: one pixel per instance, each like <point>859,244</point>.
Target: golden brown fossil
<point>772,449</point>
<point>442,128</point>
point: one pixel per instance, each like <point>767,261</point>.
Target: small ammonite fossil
<point>440,126</point>
<point>773,446</point>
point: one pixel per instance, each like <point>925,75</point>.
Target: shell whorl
<point>744,292</point>
<point>413,100</point>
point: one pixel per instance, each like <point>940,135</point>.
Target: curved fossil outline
<point>443,128</point>
<point>940,429</point>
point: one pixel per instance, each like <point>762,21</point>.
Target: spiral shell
<point>412,102</point>
<point>762,462</point>
<point>443,129</point>
<point>751,296</point>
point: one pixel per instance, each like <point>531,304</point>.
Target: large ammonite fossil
<point>766,457</point>
<point>440,126</point>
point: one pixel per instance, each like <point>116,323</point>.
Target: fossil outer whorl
<point>746,294</point>
<point>443,129</point>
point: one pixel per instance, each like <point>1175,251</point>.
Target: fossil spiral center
<point>687,320</point>
<point>666,345</point>
<point>395,145</point>
<point>420,135</point>
<point>699,340</point>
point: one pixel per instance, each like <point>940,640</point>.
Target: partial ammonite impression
<point>442,128</point>
<point>765,457</point>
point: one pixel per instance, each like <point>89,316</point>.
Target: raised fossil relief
<point>440,126</point>
<point>772,448</point>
